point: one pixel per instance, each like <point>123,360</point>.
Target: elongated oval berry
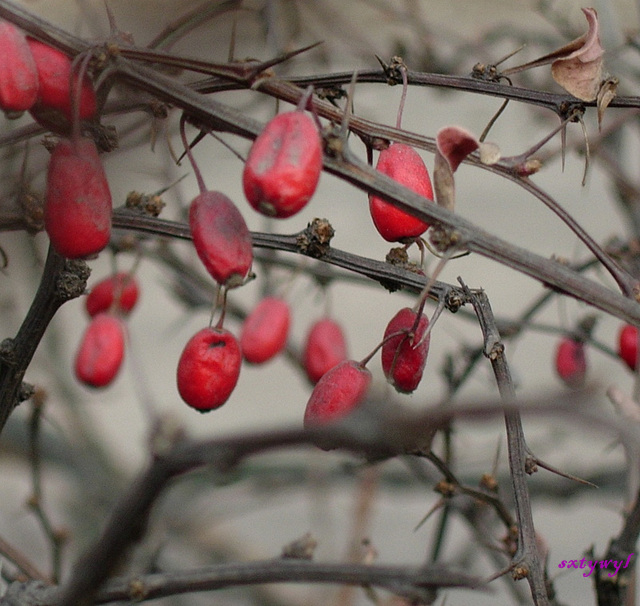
<point>571,362</point>
<point>209,368</point>
<point>403,164</point>
<point>77,206</point>
<point>121,288</point>
<point>53,107</point>
<point>325,347</point>
<point>265,330</point>
<point>19,84</point>
<point>221,238</point>
<point>628,345</point>
<point>337,393</point>
<point>101,351</point>
<point>284,165</point>
<point>405,355</point>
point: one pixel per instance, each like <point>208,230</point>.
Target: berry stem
<point>75,88</point>
<point>187,149</point>
<point>403,98</point>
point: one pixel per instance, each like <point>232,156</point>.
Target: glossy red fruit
<point>628,345</point>
<point>209,368</point>
<point>18,72</point>
<point>54,105</point>
<point>77,206</point>
<point>325,347</point>
<point>405,356</point>
<point>101,351</point>
<point>221,238</point>
<point>265,330</point>
<point>403,164</point>
<point>571,362</point>
<point>121,288</point>
<point>284,165</point>
<point>337,393</point>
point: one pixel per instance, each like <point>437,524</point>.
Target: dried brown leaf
<point>579,69</point>
<point>606,94</point>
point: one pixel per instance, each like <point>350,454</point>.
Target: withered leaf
<point>453,145</point>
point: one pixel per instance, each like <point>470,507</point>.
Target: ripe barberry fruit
<point>121,288</point>
<point>404,356</point>
<point>403,164</point>
<point>337,393</point>
<point>221,238</point>
<point>284,165</point>
<point>101,351</point>
<point>209,368</point>
<point>53,107</point>
<point>265,330</point>
<point>19,84</point>
<point>571,362</point>
<point>325,346</point>
<point>77,206</point>
<point>628,345</point>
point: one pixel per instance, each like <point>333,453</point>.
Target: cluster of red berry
<point>571,359</point>
<point>39,78</point>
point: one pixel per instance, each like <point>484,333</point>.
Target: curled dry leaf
<point>454,144</point>
<point>578,66</point>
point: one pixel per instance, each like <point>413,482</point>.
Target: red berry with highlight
<point>403,164</point>
<point>53,107</point>
<point>337,393</point>
<point>19,84</point>
<point>77,206</point>
<point>101,351</point>
<point>571,362</point>
<point>404,356</point>
<point>221,238</point>
<point>284,165</point>
<point>121,288</point>
<point>325,347</point>
<point>265,330</point>
<point>209,368</point>
<point>628,345</point>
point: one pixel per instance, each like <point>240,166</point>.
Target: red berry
<point>221,238</point>
<point>18,72</point>
<point>337,393</point>
<point>628,345</point>
<point>77,207</point>
<point>265,330</point>
<point>53,108</point>
<point>209,368</point>
<point>325,346</point>
<point>122,285</point>
<point>284,165</point>
<point>403,164</point>
<point>405,355</point>
<point>571,362</point>
<point>101,351</point>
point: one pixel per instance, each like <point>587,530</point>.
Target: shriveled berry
<point>209,368</point>
<point>221,238</point>
<point>284,165</point>
<point>101,351</point>
<point>403,164</point>
<point>18,72</point>
<point>121,288</point>
<point>571,362</point>
<point>53,107</point>
<point>77,206</point>
<point>628,345</point>
<point>337,393</point>
<point>265,330</point>
<point>325,347</point>
<point>405,355</point>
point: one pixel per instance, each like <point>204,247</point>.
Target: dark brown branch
<point>527,559</point>
<point>62,280</point>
